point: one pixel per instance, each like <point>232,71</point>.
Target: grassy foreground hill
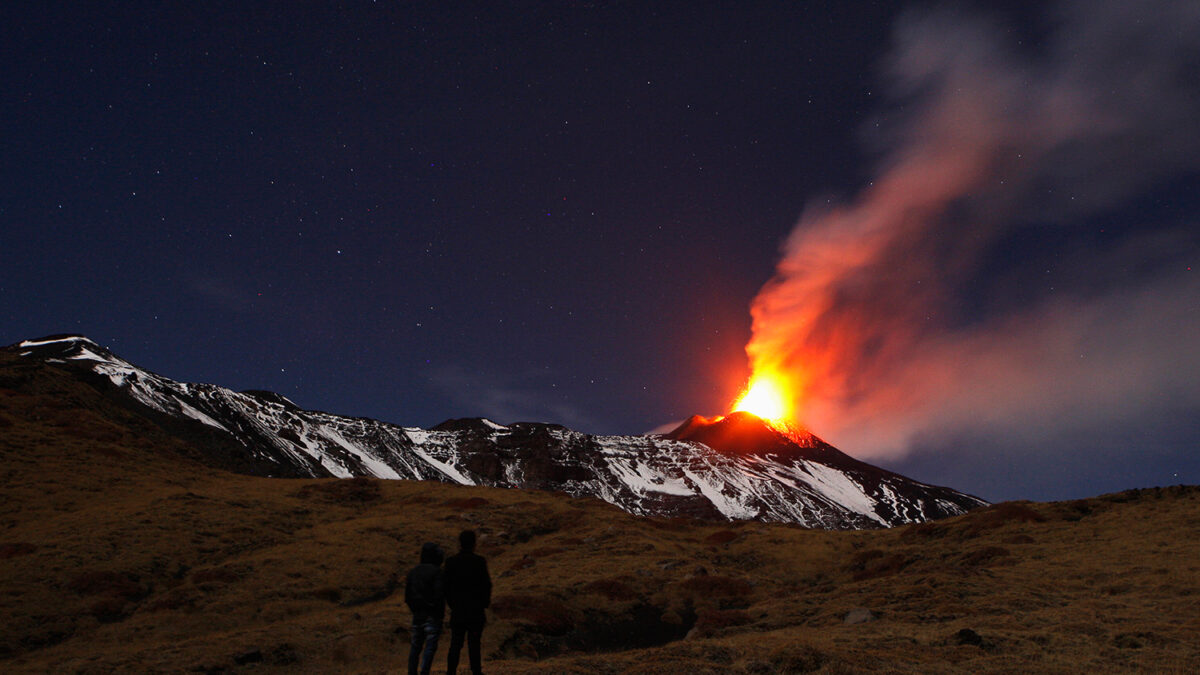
<point>121,552</point>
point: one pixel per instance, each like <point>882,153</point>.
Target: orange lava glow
<point>766,396</point>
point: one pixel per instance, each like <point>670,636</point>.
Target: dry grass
<point>118,554</point>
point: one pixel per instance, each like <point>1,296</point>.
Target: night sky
<point>564,211</point>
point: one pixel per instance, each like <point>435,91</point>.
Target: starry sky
<point>563,211</point>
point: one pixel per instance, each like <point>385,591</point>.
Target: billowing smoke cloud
<point>1021,262</point>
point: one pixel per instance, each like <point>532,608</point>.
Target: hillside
<point>119,553</point>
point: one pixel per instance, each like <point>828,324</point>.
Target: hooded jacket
<point>424,588</point>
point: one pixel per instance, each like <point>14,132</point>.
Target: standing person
<point>425,595</point>
<point>468,592</point>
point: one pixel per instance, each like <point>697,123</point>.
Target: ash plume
<point>1022,260</point>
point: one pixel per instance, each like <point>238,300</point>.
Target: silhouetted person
<point>425,595</point>
<point>468,592</point>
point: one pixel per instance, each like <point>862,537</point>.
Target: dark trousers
<point>425,631</point>
<point>472,631</point>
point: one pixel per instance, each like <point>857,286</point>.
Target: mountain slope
<point>118,556</point>
<point>735,469</point>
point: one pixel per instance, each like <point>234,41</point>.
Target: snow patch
<point>39,343</point>
<point>728,507</point>
<point>445,468</point>
<point>376,467</point>
<point>86,354</point>
<point>197,415</point>
<point>641,479</point>
<point>417,436</point>
<point>838,488</point>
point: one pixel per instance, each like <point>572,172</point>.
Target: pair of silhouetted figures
<point>465,585</point>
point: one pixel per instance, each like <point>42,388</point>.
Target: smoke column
<point>1020,262</point>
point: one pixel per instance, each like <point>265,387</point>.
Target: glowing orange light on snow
<point>766,396</point>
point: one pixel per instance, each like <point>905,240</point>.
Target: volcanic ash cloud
<point>1016,262</point>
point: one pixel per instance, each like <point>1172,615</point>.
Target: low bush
<point>541,614</point>
<point>721,537</point>
<point>15,549</point>
<point>105,582</point>
<point>466,503</point>
<point>613,589</point>
<point>983,556</point>
<point>711,620</point>
<point>873,563</point>
<point>222,575</point>
<point>357,490</point>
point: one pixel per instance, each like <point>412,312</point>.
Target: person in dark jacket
<point>469,593</point>
<point>425,595</point>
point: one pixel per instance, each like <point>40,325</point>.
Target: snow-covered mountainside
<point>733,468</point>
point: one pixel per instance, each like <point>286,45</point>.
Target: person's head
<point>466,541</point>
<point>431,554</point>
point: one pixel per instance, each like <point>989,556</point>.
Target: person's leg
<point>456,642</point>
<point>474,636</point>
<point>432,630</point>
<point>416,642</point>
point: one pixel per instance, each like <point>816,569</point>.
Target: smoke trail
<point>1019,261</point>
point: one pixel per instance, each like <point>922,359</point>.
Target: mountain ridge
<point>745,471</point>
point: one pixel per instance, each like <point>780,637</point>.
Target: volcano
<point>738,467</point>
<point>743,433</point>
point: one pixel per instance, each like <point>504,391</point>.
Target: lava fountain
<point>767,396</point>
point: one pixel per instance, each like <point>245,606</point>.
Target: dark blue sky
<point>572,201</point>
<point>557,211</point>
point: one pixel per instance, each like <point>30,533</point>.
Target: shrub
<point>721,537</point>
<point>983,556</point>
<point>1003,514</point>
<point>716,586</point>
<point>798,659</point>
<point>874,563</point>
<point>15,549</point>
<point>977,522</point>
<point>176,598</point>
<point>328,593</point>
<point>107,610</point>
<point>358,490</point>
<point>541,614</point>
<point>524,563</point>
<point>104,582</point>
<point>222,575</point>
<point>710,620</point>
<point>613,589</point>
<point>466,503</point>
<point>546,551</point>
